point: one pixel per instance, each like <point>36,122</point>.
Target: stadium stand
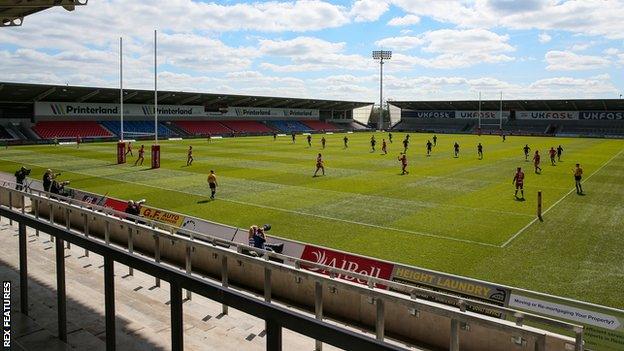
<point>137,127</point>
<point>247,126</point>
<point>73,129</point>
<point>289,126</point>
<point>434,125</point>
<point>203,127</point>
<point>4,134</point>
<point>321,126</point>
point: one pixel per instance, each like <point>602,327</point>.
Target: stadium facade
<point>592,117</point>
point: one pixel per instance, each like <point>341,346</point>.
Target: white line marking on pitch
<point>558,201</point>
<point>295,212</point>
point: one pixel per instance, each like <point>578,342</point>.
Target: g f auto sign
<point>345,261</point>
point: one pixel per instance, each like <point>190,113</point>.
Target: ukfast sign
<point>542,115</point>
<point>483,114</point>
<point>619,115</point>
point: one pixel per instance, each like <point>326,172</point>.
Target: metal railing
<point>404,295</point>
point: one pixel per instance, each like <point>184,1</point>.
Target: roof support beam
<point>44,94</point>
<point>129,96</point>
<point>241,101</point>
<point>88,96</point>
<point>189,99</point>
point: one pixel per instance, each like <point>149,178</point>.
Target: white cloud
<point>589,17</point>
<point>454,48</point>
<point>368,10</point>
<point>569,61</point>
<point>407,20</point>
<point>544,38</point>
<point>300,46</point>
<point>400,43</point>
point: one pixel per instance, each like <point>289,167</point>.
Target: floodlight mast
<point>382,56</point>
<point>121,88</point>
<point>155,88</point>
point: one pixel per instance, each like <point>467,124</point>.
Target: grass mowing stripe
<point>558,201</point>
<point>302,213</point>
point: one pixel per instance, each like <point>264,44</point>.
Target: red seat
<point>67,129</point>
<point>320,125</point>
<point>203,127</point>
<point>247,126</point>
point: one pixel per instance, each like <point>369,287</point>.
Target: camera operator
<point>58,188</point>
<point>258,239</point>
<point>134,208</point>
<point>20,177</point>
<point>48,177</point>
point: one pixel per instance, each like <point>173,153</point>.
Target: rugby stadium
<point>139,219</point>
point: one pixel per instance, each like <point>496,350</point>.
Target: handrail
<point>411,302</point>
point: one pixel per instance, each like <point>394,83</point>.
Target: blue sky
<point>443,49</point>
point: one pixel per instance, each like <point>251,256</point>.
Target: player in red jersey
<point>319,165</point>
<point>129,150</point>
<point>552,153</point>
<point>536,162</point>
<point>518,180</point>
<point>141,158</point>
<point>403,159</point>
<point>189,157</point>
<point>384,146</point>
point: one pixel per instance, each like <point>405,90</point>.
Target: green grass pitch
<point>455,215</point>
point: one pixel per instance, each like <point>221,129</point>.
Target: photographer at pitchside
<point>48,178</point>
<point>20,177</point>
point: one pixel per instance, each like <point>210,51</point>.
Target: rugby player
<point>405,145</point>
<point>559,152</point>
<point>140,158</point>
<point>429,145</point>
<point>435,140</point>
<point>384,146</point>
<point>403,159</point>
<point>212,183</point>
<point>323,141</point>
<point>346,141</point>
<point>309,138</point>
<point>390,137</point>
<point>578,176</point>
<point>293,137</point>
<point>518,180</point>
<point>456,149</point>
<point>373,142</point>
<point>536,161</point>
<point>129,151</point>
<point>480,151</point>
<point>552,153</point>
<point>319,165</point>
<point>189,157</point>
<point>526,149</point>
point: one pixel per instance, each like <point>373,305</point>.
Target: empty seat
<point>321,125</point>
<point>67,129</point>
<point>203,127</point>
<point>247,126</point>
<point>138,127</point>
<point>290,126</point>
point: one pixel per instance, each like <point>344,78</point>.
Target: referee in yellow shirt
<point>212,183</point>
<point>578,175</point>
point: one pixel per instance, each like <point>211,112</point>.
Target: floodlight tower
<point>382,56</point>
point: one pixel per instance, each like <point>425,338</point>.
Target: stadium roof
<point>518,105</point>
<point>12,12</point>
<point>29,93</point>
